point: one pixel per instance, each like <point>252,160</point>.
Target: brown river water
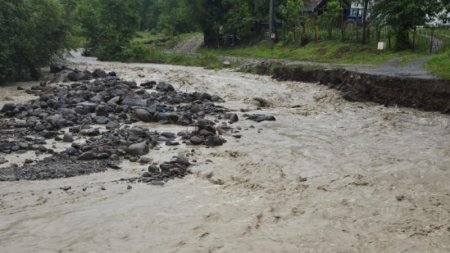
<point>327,176</point>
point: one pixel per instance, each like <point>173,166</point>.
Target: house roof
<point>312,4</point>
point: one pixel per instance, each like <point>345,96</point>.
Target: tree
<point>331,16</point>
<point>32,32</point>
<point>365,26</point>
<point>108,25</point>
<point>292,13</point>
<point>403,15</point>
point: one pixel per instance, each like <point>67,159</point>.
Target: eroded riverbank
<point>327,176</point>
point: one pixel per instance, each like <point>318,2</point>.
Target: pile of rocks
<point>99,99</point>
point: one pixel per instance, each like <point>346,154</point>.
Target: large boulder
<point>164,87</point>
<point>138,149</point>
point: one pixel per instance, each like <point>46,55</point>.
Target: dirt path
<point>327,176</point>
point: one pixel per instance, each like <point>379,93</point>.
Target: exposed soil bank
<point>425,94</point>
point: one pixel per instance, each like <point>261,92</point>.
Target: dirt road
<point>327,176</point>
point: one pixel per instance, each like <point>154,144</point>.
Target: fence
<point>425,39</point>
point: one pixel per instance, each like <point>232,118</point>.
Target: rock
<point>213,141</point>
<point>164,87</point>
<point>68,137</point>
<point>114,100</point>
<point>8,107</point>
<point>153,169</point>
<point>143,115</point>
<point>114,166</point>
<point>181,160</point>
<point>90,132</point>
<point>129,187</point>
<point>98,73</point>
<point>138,149</point>
<point>196,140</point>
<point>76,76</point>
<point>145,160</point>
<point>86,156</point>
<point>260,117</point>
<point>232,117</point>
<point>134,101</point>
<point>166,118</point>
<point>56,68</point>
<point>148,85</point>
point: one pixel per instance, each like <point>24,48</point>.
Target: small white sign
<point>273,36</point>
<point>381,45</point>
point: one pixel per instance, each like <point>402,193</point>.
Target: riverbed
<point>328,176</point>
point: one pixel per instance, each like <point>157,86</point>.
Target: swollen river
<point>327,176</point>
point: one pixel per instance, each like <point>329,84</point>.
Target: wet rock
<point>98,73</point>
<point>213,141</point>
<point>56,68</point>
<point>114,165</point>
<point>164,87</point>
<point>9,107</point>
<point>86,156</point>
<point>68,137</point>
<point>138,149</point>
<point>143,115</point>
<point>134,101</point>
<point>90,132</point>
<point>260,117</point>
<point>145,160</point>
<point>197,140</point>
<point>232,117</point>
<point>148,85</point>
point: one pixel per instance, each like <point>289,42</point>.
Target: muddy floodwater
<point>327,176</point>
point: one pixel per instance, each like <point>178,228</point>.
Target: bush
<point>32,31</point>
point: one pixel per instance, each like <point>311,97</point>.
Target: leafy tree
<point>403,15</point>
<point>108,25</point>
<point>32,31</point>
<point>292,14</point>
<point>331,15</point>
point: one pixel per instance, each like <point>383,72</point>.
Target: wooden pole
<point>271,25</point>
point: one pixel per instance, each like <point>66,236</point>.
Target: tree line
<point>34,31</point>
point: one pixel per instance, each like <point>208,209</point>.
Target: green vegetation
<point>326,51</point>
<point>32,32</point>
<point>148,30</point>
<point>440,65</point>
<point>139,52</point>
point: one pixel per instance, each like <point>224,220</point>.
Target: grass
<point>139,52</point>
<point>326,52</point>
<point>439,65</point>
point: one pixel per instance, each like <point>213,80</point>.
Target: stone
<point>138,149</point>
<point>86,156</point>
<point>68,137</point>
<point>196,140</point>
<point>98,73</point>
<point>9,107</point>
<point>143,115</point>
<point>90,132</point>
<point>148,85</point>
<point>213,141</point>
<point>145,160</point>
<point>260,117</point>
<point>164,87</point>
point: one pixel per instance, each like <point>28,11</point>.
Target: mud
<point>328,175</point>
<point>425,94</point>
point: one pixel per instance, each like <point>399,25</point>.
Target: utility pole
<point>366,7</point>
<point>271,25</point>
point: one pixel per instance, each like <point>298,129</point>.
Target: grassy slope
<point>439,65</point>
<point>153,49</point>
<point>327,51</point>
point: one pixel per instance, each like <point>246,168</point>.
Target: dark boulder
<point>164,87</point>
